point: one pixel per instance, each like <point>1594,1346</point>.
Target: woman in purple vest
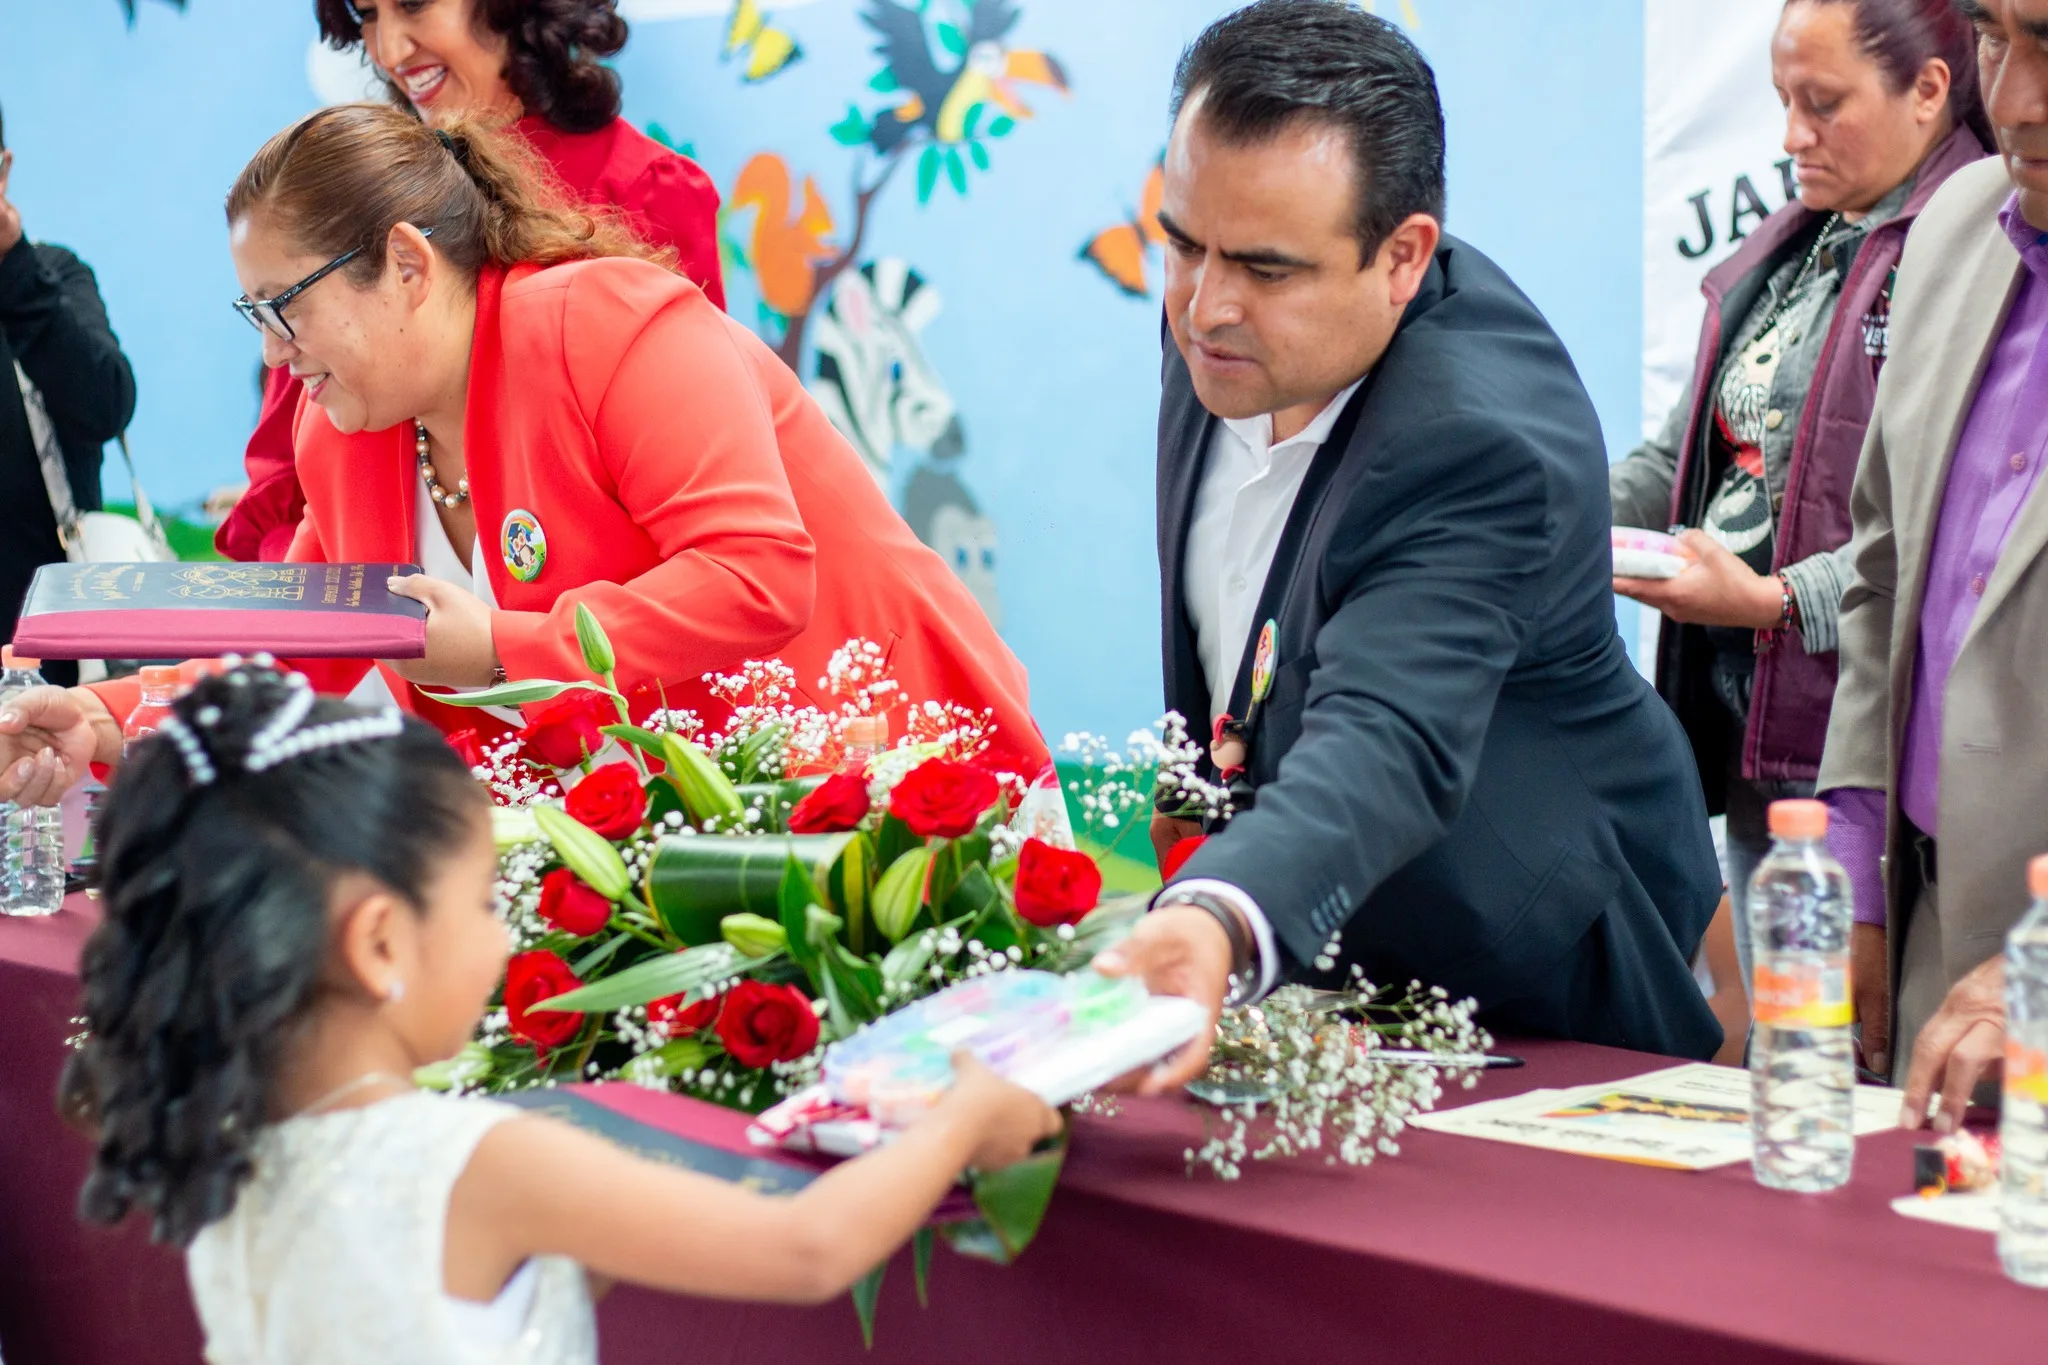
<point>1881,106</point>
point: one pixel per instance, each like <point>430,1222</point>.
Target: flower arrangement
<point>703,909</point>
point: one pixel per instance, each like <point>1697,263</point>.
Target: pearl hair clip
<point>280,738</point>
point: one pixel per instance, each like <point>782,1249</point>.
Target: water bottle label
<point>2026,1071</point>
<point>1805,994</point>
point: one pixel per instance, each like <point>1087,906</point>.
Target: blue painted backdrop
<point>126,140</point>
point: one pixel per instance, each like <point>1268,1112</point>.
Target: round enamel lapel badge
<point>524,545</point>
<point>1262,662</point>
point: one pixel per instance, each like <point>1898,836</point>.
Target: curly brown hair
<point>553,52</point>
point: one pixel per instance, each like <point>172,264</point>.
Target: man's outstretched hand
<point>49,737</point>
<point>1175,950</point>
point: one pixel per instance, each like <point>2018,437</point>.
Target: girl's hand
<point>460,652</point>
<point>1007,1120</point>
<point>1717,589</point>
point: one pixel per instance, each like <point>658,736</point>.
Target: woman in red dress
<point>533,61</point>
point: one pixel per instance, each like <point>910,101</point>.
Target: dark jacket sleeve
<point>1436,599</point>
<point>56,326</point>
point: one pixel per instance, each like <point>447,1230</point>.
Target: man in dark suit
<point>1375,454</point>
<point>53,325</point>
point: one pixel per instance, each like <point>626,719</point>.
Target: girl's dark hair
<point>1902,36</point>
<point>216,933</point>
<point>553,52</point>
<point>342,177</point>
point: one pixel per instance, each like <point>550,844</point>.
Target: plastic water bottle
<point>2023,1115</point>
<point>1802,1062</point>
<point>160,687</point>
<point>31,837</point>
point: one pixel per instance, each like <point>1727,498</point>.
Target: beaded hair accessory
<point>281,738</point>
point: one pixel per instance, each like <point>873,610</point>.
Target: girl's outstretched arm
<point>538,1186</point>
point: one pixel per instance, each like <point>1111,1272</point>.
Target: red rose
<point>838,804</point>
<point>677,1020</point>
<point>763,1023</point>
<point>943,798</point>
<point>468,747</point>
<point>564,732</point>
<point>530,978</point>
<point>1179,854</point>
<point>610,801</point>
<point>1055,886</point>
<point>571,906</point>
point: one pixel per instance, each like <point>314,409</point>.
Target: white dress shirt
<point>1241,510</point>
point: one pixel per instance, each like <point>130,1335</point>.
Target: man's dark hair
<point>1275,62</point>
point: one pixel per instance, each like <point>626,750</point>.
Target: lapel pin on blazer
<point>524,545</point>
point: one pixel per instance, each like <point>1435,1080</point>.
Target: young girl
<point>299,912</point>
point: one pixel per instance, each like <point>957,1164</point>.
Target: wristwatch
<point>1244,949</point>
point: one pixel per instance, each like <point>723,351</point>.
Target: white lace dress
<point>333,1251</point>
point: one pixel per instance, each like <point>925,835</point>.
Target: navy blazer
<point>1457,771</point>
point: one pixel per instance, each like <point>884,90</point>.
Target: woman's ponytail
<point>342,178</point>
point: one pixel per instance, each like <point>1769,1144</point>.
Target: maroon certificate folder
<point>178,611</point>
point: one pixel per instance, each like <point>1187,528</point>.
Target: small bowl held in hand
<point>1646,554</point>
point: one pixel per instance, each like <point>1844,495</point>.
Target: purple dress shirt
<point>1998,461</point>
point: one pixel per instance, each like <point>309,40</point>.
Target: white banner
<point>1714,167</point>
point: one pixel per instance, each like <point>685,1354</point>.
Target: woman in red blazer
<point>507,394</point>
<point>495,59</point>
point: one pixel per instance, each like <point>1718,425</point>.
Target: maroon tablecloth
<point>1455,1251</point>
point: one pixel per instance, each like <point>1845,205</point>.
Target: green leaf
<point>853,990</point>
<point>883,81</point>
<point>921,1243</point>
<point>952,39</point>
<point>775,800</point>
<point>956,170</point>
<point>853,130</point>
<point>514,693</point>
<point>973,119</point>
<point>761,753</point>
<point>646,741</point>
<point>867,1292</point>
<point>928,173</point>
<point>598,956</point>
<point>851,889</point>
<point>979,152</point>
<point>976,894</point>
<point>692,969</point>
<point>1013,1200</point>
<point>661,135</point>
<point>900,893</point>
<point>595,644</point>
<point>907,960</point>
<point>892,840</point>
<point>794,893</point>
<point>1000,125</point>
<point>661,799</point>
<point>695,880</point>
<point>585,852</point>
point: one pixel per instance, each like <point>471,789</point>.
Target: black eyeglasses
<point>267,315</point>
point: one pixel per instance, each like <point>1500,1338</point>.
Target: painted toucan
<point>938,100</point>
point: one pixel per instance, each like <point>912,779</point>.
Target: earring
<point>395,992</point>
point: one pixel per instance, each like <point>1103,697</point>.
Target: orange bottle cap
<point>9,659</point>
<point>1798,819</point>
<point>161,675</point>
<point>2037,877</point>
<point>869,730</point>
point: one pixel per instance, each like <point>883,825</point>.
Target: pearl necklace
<point>427,476</point>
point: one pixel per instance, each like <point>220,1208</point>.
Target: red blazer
<point>666,198</point>
<point>690,493</point>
